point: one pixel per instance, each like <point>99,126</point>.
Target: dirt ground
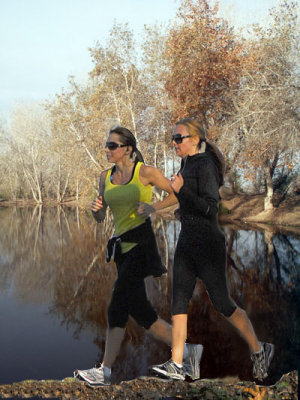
<point>250,209</point>
<point>245,210</point>
<point>151,388</point>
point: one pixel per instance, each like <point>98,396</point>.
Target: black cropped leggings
<point>129,295</point>
<point>205,259</point>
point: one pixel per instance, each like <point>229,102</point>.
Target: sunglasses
<point>179,138</point>
<point>114,146</point>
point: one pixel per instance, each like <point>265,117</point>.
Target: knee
<point>145,316</point>
<point>238,315</point>
<point>225,308</point>
<point>116,319</point>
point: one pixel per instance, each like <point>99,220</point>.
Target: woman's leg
<point>240,320</point>
<point>184,281</point>
<point>114,338</point>
<point>179,334</point>
<point>161,330</point>
<point>213,274</point>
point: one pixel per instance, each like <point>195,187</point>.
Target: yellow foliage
<point>257,393</point>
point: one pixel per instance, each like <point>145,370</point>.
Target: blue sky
<point>43,42</point>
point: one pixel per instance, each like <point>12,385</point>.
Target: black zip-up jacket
<point>199,196</point>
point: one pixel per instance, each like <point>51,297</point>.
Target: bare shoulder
<point>148,170</point>
<point>103,174</point>
<point>149,173</point>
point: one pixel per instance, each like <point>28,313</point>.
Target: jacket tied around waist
<point>144,236</point>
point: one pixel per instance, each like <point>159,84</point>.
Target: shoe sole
<point>168,375</point>
<point>97,384</point>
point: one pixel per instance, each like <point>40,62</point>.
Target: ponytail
<point>218,159</point>
<point>138,156</point>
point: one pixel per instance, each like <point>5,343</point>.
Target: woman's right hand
<point>97,204</point>
<point>176,182</point>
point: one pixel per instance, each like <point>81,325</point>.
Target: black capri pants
<point>204,257</point>
<point>129,295</point>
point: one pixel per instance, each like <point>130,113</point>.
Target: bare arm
<point>98,205</point>
<point>153,176</point>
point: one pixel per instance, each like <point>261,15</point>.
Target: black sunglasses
<point>179,138</point>
<point>114,146</point>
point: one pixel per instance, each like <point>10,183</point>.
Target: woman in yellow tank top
<point>127,189</point>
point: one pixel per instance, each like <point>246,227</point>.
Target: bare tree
<point>263,129</point>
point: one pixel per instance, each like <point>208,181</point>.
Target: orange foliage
<point>204,60</point>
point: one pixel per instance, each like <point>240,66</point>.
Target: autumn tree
<point>204,57</point>
<point>26,143</point>
<point>117,81</point>
<point>83,114</point>
<point>77,138</point>
<point>262,133</point>
<point>157,115</point>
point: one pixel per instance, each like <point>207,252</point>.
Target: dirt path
<point>150,388</point>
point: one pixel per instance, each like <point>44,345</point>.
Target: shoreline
<point>237,209</point>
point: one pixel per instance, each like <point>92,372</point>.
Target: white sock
<point>260,350</point>
<point>178,365</point>
<point>107,371</point>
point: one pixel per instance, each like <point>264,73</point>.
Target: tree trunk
<point>77,189</point>
<point>268,205</point>
<point>58,197</point>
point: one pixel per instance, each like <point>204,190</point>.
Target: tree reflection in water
<point>57,256</point>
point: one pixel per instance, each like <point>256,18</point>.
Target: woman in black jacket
<point>200,251</point>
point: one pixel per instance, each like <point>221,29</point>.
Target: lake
<point>55,288</point>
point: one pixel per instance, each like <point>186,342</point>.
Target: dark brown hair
<point>128,138</point>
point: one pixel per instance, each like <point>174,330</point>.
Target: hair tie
<point>202,146</point>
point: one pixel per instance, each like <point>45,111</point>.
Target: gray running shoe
<point>169,370</point>
<point>191,363</point>
<point>262,360</point>
<point>93,376</point>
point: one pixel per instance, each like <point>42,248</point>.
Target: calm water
<point>55,288</point>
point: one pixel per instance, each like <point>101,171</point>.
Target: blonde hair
<point>197,128</point>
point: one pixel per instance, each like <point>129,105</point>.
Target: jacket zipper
<point>184,164</point>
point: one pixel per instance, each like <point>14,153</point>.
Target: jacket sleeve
<point>99,215</point>
<point>205,200</point>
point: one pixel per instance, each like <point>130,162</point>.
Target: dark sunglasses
<point>114,146</point>
<point>179,138</point>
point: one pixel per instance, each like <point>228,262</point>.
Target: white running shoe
<point>191,363</point>
<point>262,360</point>
<point>94,376</point>
<point>169,370</point>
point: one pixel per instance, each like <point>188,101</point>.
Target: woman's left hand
<point>177,182</point>
<point>144,209</point>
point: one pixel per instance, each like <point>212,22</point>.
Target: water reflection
<point>53,272</point>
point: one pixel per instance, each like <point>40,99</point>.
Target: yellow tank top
<point>123,200</point>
